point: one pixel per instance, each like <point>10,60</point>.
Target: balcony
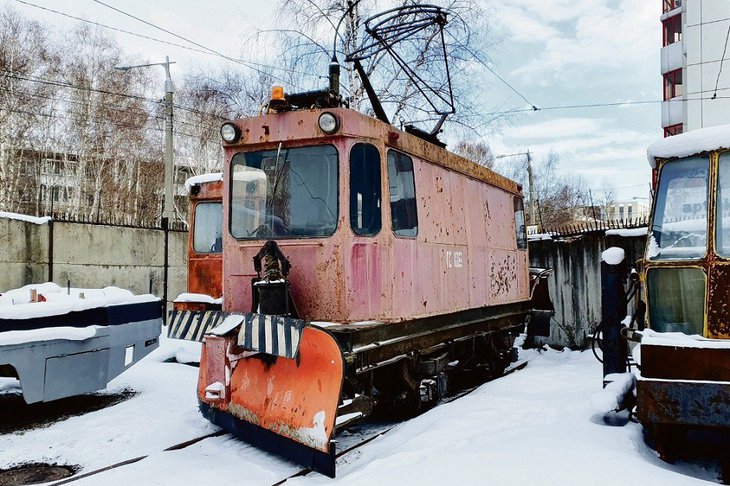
<point>671,57</point>
<point>672,112</point>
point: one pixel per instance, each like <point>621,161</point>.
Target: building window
<point>672,29</point>
<point>670,5</point>
<point>672,130</point>
<point>402,194</point>
<point>365,189</point>
<point>630,210</point>
<point>621,213</point>
<point>673,86</point>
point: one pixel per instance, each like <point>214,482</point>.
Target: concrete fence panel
<point>575,285</point>
<point>91,256</point>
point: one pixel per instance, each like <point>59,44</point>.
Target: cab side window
<point>404,217</point>
<point>520,226</point>
<point>365,192</point>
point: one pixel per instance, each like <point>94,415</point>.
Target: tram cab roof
<point>689,143</point>
<point>270,129</point>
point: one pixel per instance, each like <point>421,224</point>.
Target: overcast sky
<point>556,53</point>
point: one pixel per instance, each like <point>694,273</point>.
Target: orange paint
<point>297,399</point>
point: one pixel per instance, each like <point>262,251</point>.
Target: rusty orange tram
<point>362,265</point>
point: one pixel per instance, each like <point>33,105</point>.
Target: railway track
<point>358,436</point>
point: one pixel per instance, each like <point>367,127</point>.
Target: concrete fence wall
<point>575,285</point>
<point>91,256</point>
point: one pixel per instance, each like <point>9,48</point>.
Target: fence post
<point>613,310</point>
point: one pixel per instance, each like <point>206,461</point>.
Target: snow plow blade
<point>191,325</point>
<point>275,382</point>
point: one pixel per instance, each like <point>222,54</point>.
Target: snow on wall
<point>628,233</point>
<point>689,143</point>
<point>25,217</point>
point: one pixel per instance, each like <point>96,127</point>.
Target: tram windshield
<point>284,193</point>
<point>679,227</point>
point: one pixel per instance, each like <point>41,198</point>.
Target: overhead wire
<point>206,51</point>
<point>249,64</point>
<point>63,84</point>
<point>722,59</point>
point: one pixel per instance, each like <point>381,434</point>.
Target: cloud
<point>576,35</point>
<point>556,128</point>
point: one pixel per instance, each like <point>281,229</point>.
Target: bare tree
<point>25,57</point>
<point>608,199</point>
<point>478,152</point>
<point>468,38</point>
<point>108,125</point>
<point>559,200</point>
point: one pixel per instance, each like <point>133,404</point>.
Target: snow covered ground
<point>535,426</point>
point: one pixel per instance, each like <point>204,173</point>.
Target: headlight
<point>328,122</point>
<point>230,133</point>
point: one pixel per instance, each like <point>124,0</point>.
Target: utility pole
<point>530,181</point>
<point>168,198</point>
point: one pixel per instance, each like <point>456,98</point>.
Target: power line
<point>162,41</point>
<point>62,84</point>
<point>724,50</point>
<point>248,64</point>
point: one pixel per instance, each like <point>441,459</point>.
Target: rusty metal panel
<point>683,402</point>
<point>205,274</point>
<point>685,363</point>
<point>718,303</point>
<point>348,278</point>
<point>205,270</point>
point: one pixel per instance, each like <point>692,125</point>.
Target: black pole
<point>50,250</point>
<point>613,311</point>
<point>166,229</point>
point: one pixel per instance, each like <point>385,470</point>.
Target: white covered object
<point>16,304</point>
<point>202,178</point>
<point>613,255</point>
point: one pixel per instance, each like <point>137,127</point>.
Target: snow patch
<point>229,323</point>
<point>679,339</point>
<point>613,255</point>
<point>317,435</point>
<point>627,233</point>
<point>539,236</point>
<point>16,304</point>
<point>202,179</point>
<point>611,396</point>
<point>689,143</point>
<point>47,334</point>
<point>653,251</point>
<point>25,217</point>
<point>215,391</point>
<point>198,298</point>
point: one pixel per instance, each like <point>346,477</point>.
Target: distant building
<point>696,82</point>
<point>628,211</point>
